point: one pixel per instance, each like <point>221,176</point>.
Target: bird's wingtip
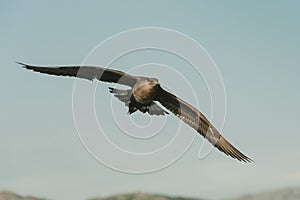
<point>249,160</point>
<point>22,64</point>
<point>223,145</point>
<point>26,66</point>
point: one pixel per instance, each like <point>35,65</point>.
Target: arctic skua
<point>143,95</point>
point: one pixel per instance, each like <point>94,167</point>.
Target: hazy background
<point>255,45</point>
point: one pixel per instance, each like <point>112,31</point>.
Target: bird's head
<point>153,81</point>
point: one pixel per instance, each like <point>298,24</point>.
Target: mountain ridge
<point>143,196</point>
<point>7,195</point>
<point>279,194</point>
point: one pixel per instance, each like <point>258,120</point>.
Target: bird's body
<point>143,96</point>
<point>144,90</point>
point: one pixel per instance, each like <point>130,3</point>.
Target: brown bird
<point>143,95</point>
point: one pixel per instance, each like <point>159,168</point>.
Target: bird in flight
<point>143,96</point>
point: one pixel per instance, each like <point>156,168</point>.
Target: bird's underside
<point>133,106</point>
<point>143,96</point>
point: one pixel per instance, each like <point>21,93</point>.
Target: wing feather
<point>199,122</point>
<point>87,72</point>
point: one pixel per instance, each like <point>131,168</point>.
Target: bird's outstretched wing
<point>199,122</point>
<point>86,72</point>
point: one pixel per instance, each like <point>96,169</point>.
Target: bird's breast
<point>143,93</point>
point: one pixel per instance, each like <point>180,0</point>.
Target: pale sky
<point>255,45</point>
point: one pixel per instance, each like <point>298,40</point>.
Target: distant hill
<point>143,196</point>
<point>6,195</point>
<point>282,194</point>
